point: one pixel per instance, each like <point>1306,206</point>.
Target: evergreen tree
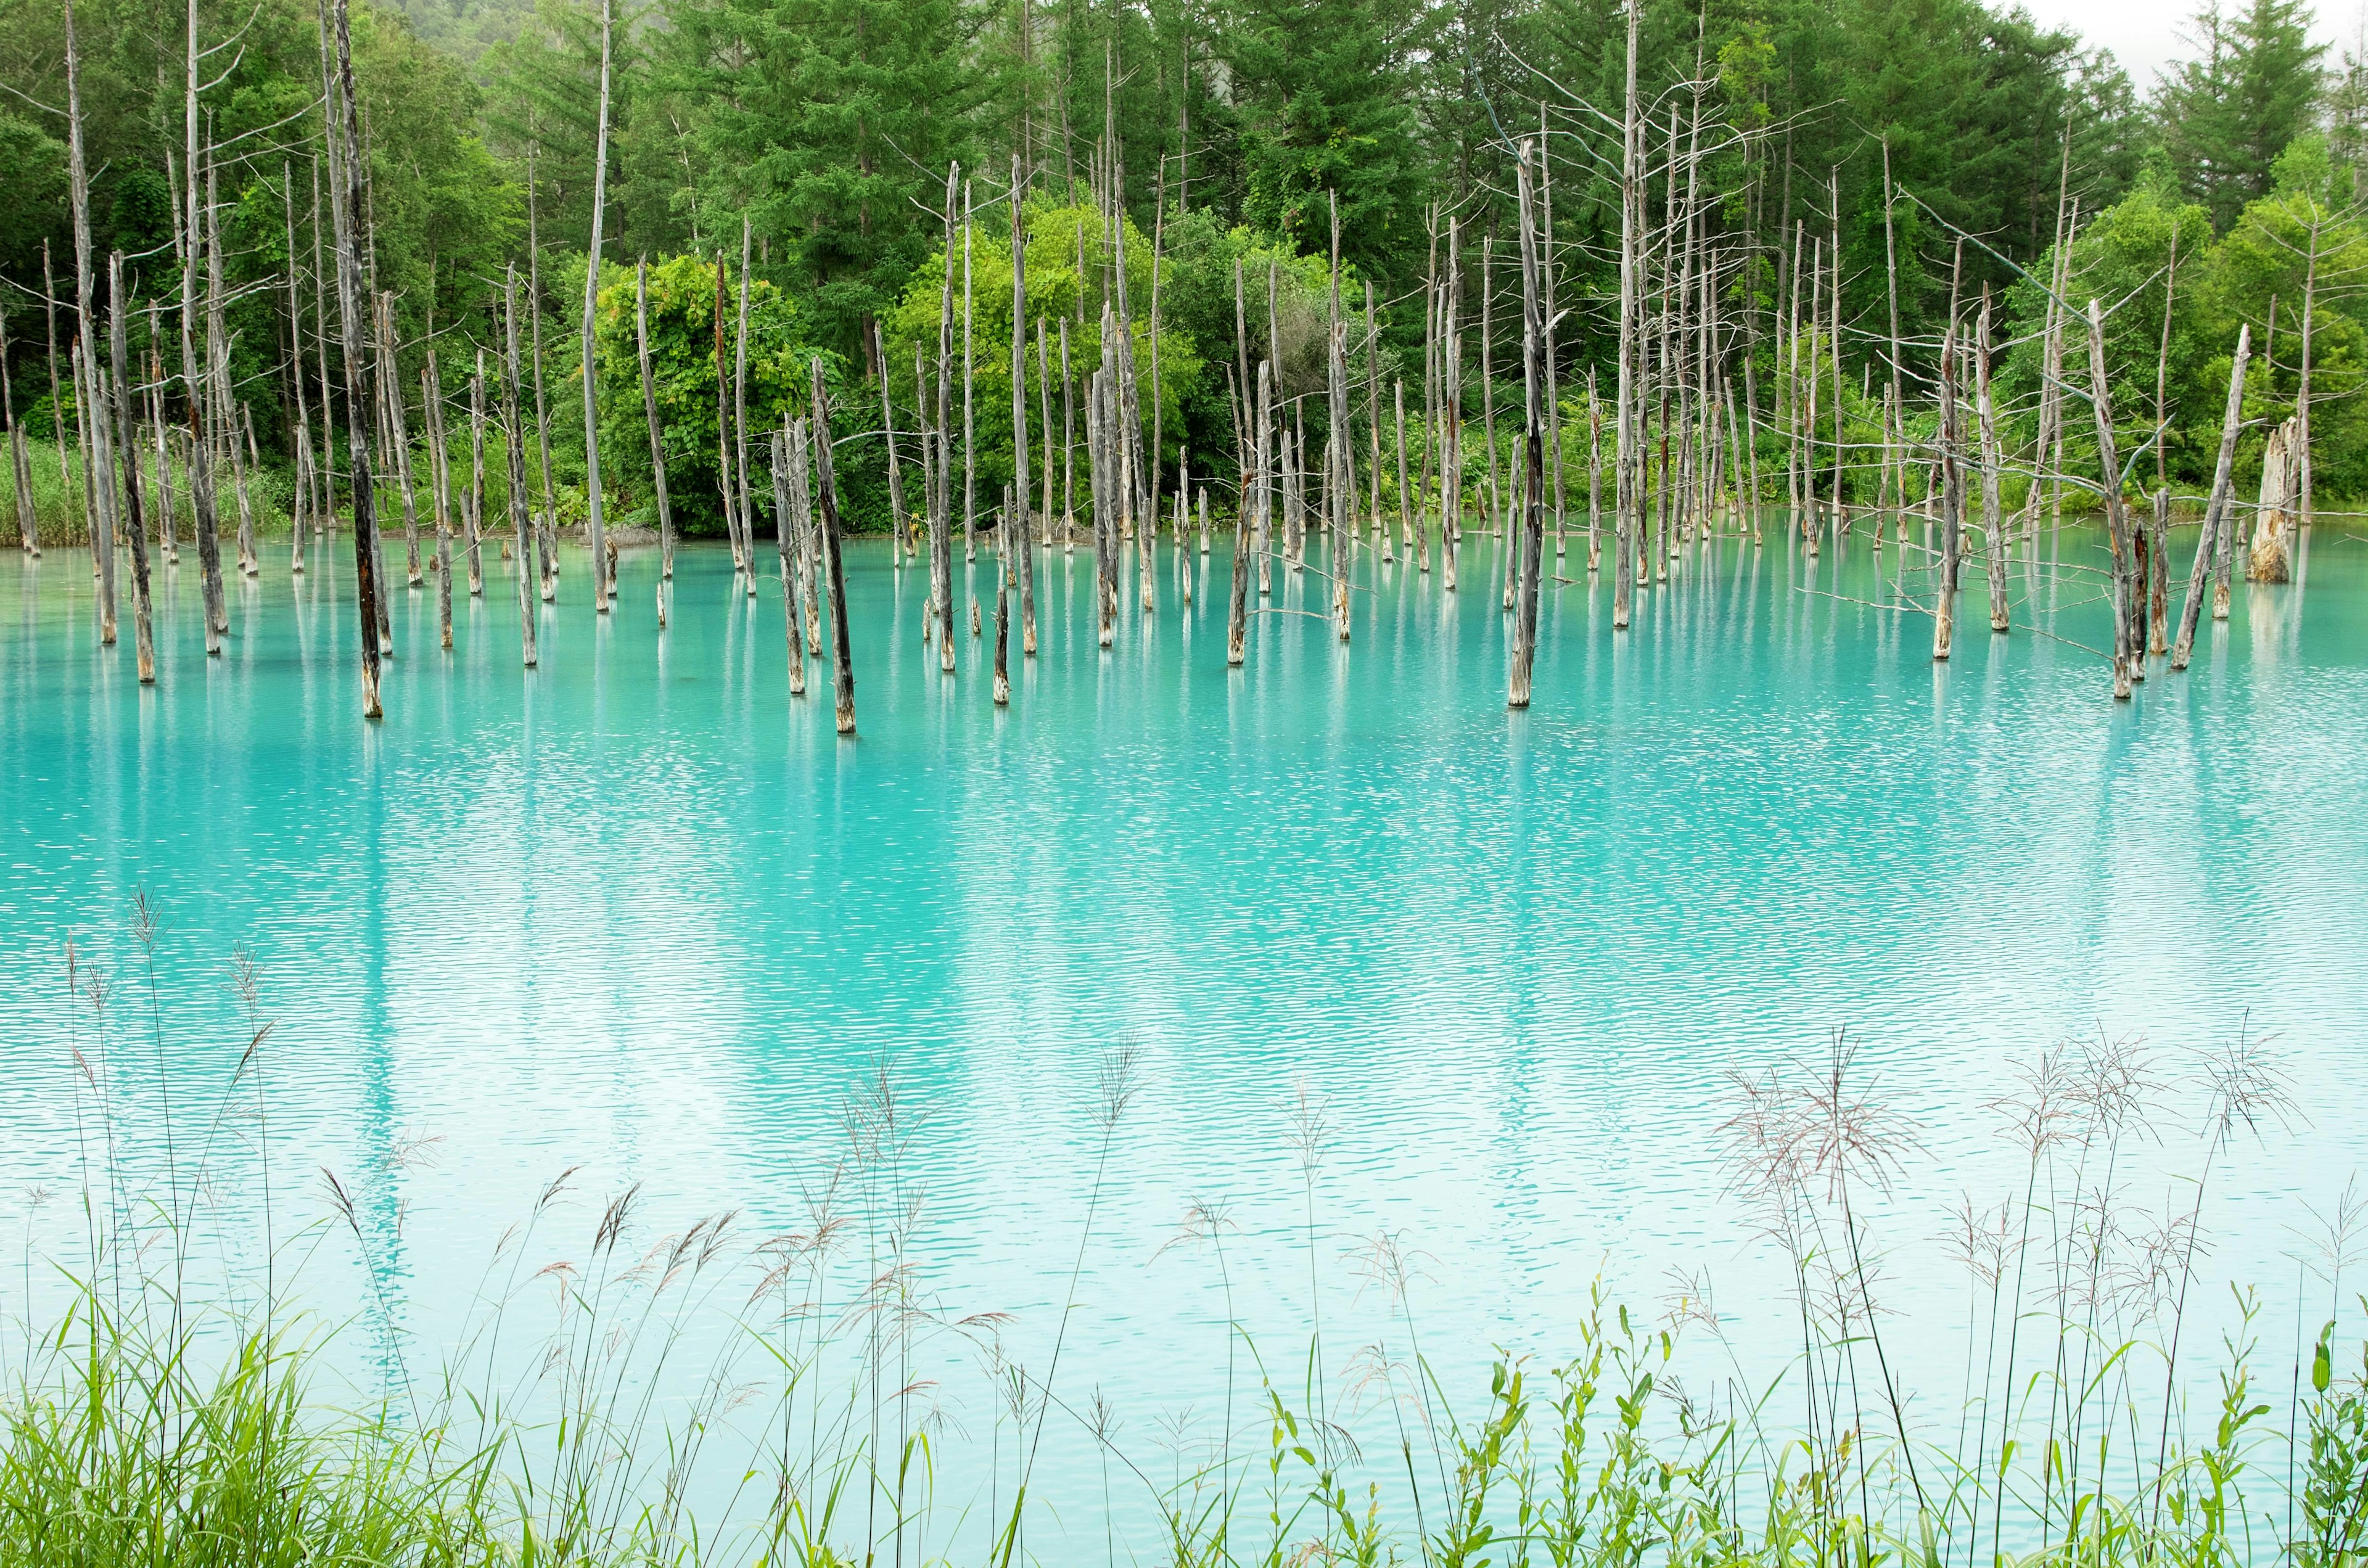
<point>2226,114</point>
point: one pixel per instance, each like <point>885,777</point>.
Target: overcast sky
<point>2144,34</point>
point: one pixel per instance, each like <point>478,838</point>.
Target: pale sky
<point>2144,34</point>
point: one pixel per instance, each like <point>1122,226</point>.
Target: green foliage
<point>684,374</point>
<point>1057,293</point>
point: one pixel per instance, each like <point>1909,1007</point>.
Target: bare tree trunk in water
<point>1253,485</point>
<point>522,530</point>
<point>970,427</point>
<point>827,492</point>
<point>733,524</point>
<point>1944,593</point>
<point>87,406</point>
<point>740,407</point>
<point>1003,599</point>
<point>802,553</point>
<point>941,557</point>
<point>785,542</point>
<point>360,399</point>
<point>128,448</point>
<point>398,437</point>
<point>1993,516</point>
<point>1015,531</point>
<point>1533,519</point>
<point>2116,518</point>
<point>440,469</point>
<point>1628,444</point>
<point>472,515</point>
<point>657,442</point>
<point>593,503</point>
<point>20,466</point>
<point>2216,510</point>
<point>547,529</point>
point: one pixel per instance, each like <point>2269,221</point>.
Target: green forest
<point>1943,151</point>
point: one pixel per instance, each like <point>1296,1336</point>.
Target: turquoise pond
<point>641,914</point>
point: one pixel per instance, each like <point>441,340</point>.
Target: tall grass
<point>708,1395</point>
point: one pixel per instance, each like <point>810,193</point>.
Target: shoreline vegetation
<point>2118,1404</point>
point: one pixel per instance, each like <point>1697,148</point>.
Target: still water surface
<point>641,913</point>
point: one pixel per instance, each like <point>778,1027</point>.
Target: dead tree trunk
<point>440,467</point>
<point>827,492</point>
<point>303,455</point>
<point>20,465</point>
<point>1533,521</point>
<point>547,528</point>
<point>595,521</point>
<point>128,448</point>
<point>2215,509</point>
<point>657,442</point>
<point>733,529</point>
<point>1003,602</point>
<point>472,515</point>
<point>514,438</point>
<point>1628,454</point>
<point>797,581</point>
<point>102,542</point>
<point>941,558</point>
<point>359,391</point>
<point>2116,518</point>
<point>740,408</point>
<point>970,425</point>
<point>1993,515</point>
<point>1017,533</point>
<point>398,437</point>
<point>1253,485</point>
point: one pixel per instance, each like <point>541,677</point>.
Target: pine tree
<point>2226,114</point>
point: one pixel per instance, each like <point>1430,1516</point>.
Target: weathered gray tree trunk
<point>101,514</point>
<point>472,515</point>
<point>595,521</point>
<point>888,438</point>
<point>1253,487</point>
<point>1016,531</point>
<point>1594,476</point>
<point>523,527</point>
<point>1003,600</point>
<point>827,493</point>
<point>20,466</point>
<point>1405,528</point>
<point>785,549</point>
<point>127,447</point>
<point>740,407</point>
<point>941,557</point>
<point>440,469</point>
<point>1546,288</point>
<point>2116,516</point>
<point>194,389</point>
<point>2269,557</point>
<point>546,531</point>
<point>1627,452</point>
<point>800,553</point>
<point>159,427</point>
<point>1042,533</point>
<point>733,524</point>
<point>658,441</point>
<point>226,406</point>
<point>970,426</point>
<point>1993,515</point>
<point>398,437</point>
<point>2158,584</point>
<point>360,394</point>
<point>2216,508</point>
<point>303,454</point>
<point>1533,520</point>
